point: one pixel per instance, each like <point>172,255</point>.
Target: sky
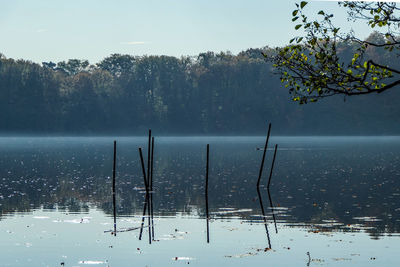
<point>56,30</point>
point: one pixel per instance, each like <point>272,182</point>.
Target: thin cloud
<point>134,43</point>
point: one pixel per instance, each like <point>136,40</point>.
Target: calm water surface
<point>336,198</point>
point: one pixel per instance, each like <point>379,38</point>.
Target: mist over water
<point>315,178</point>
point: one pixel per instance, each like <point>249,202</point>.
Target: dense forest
<point>210,94</point>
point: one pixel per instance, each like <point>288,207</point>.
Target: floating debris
<point>263,249</point>
<point>183,258</point>
<point>123,230</point>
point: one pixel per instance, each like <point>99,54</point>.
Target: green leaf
<point>303,4</point>
<point>321,12</point>
<point>295,18</point>
<point>294,13</point>
<point>297,26</point>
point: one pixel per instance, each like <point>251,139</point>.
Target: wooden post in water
<point>206,194</point>
<point>148,183</point>
<point>151,185</point>
<point>269,183</point>
<point>272,166</point>
<point>113,188</point>
<point>263,157</point>
<point>147,196</point>
<point>148,158</point>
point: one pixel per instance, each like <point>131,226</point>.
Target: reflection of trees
<point>314,186</point>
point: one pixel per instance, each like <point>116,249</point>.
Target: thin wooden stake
<point>272,166</point>
<point>148,183</point>
<point>147,194</point>
<point>151,185</point>
<point>206,189</point>
<point>148,158</point>
<point>263,157</point>
<point>113,188</point>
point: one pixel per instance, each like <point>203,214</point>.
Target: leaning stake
<point>151,185</point>
<point>148,159</point>
<point>147,194</point>
<point>272,166</point>
<point>208,217</point>
<point>148,182</point>
<point>113,188</point>
<point>263,157</point>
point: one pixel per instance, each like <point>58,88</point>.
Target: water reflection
<point>263,216</point>
<point>326,183</point>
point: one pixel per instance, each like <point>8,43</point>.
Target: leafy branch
<point>315,66</point>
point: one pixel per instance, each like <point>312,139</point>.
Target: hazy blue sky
<point>55,30</point>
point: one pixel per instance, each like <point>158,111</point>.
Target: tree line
<point>212,93</point>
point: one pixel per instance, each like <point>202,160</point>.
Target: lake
<point>332,201</point>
